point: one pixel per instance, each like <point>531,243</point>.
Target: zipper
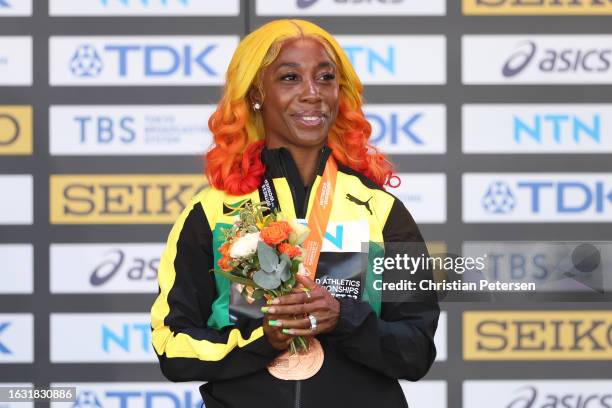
<point>298,394</point>
<point>309,189</point>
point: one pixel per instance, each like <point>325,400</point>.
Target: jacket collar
<point>280,163</point>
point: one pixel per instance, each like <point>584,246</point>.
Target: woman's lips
<point>309,119</point>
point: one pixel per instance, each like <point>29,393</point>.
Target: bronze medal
<point>298,366</point>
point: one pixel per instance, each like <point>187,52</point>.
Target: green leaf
<point>282,271</point>
<point>234,278</point>
<point>268,260</point>
<point>258,294</point>
<point>266,280</point>
<point>285,257</point>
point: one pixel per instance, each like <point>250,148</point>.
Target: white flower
<point>245,246</point>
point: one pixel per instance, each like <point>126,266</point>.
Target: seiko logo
<point>556,60</point>
<point>82,199</point>
<point>538,335</point>
<point>535,3</point>
<point>124,199</point>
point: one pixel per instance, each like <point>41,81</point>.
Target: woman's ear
<point>255,99</point>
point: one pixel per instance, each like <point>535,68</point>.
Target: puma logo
<point>357,201</point>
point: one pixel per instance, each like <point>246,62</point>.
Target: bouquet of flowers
<point>262,254</point>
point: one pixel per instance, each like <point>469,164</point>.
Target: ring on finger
<point>313,322</point>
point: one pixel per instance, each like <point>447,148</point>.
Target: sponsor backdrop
<point>498,114</point>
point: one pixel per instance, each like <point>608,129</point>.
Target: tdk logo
<point>4,350</point>
<point>557,128</point>
<point>394,128</point>
<point>499,198</point>
<point>143,2</point>
<point>86,62</point>
<point>373,61</point>
<point>559,60</point>
<point>87,399</point>
<point>569,196</point>
<point>157,60</point>
<point>4,4</point>
<point>136,397</point>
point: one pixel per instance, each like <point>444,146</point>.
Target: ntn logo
<point>371,58</point>
<point>127,337</point>
<point>558,127</point>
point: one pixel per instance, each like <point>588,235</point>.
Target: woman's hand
<point>275,336</point>
<point>309,299</point>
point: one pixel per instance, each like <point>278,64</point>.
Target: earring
<point>256,106</point>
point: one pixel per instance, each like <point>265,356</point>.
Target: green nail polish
<point>269,301</point>
<point>264,309</point>
<point>274,323</point>
<point>286,331</point>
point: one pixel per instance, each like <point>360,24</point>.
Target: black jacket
<point>198,338</point>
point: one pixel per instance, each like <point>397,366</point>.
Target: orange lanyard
<point>319,217</point>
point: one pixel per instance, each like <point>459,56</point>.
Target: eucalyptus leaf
<point>267,257</point>
<point>285,257</point>
<point>266,280</point>
<point>285,273</point>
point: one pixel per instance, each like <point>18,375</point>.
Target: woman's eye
<point>288,77</point>
<point>328,76</point>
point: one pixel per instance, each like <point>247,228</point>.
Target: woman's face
<point>301,95</point>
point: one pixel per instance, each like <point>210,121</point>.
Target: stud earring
<point>256,106</point>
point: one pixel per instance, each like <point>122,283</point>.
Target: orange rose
<point>276,232</point>
<point>225,249</point>
<point>224,263</point>
<point>292,251</point>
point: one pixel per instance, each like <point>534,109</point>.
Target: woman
<point>292,109</point>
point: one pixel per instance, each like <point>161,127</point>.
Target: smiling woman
<point>289,131</point>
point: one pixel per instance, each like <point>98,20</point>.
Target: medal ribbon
<point>319,217</point>
<point>319,214</point>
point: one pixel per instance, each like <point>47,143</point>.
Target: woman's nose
<point>311,90</point>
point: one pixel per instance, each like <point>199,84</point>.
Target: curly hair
<point>234,163</point>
